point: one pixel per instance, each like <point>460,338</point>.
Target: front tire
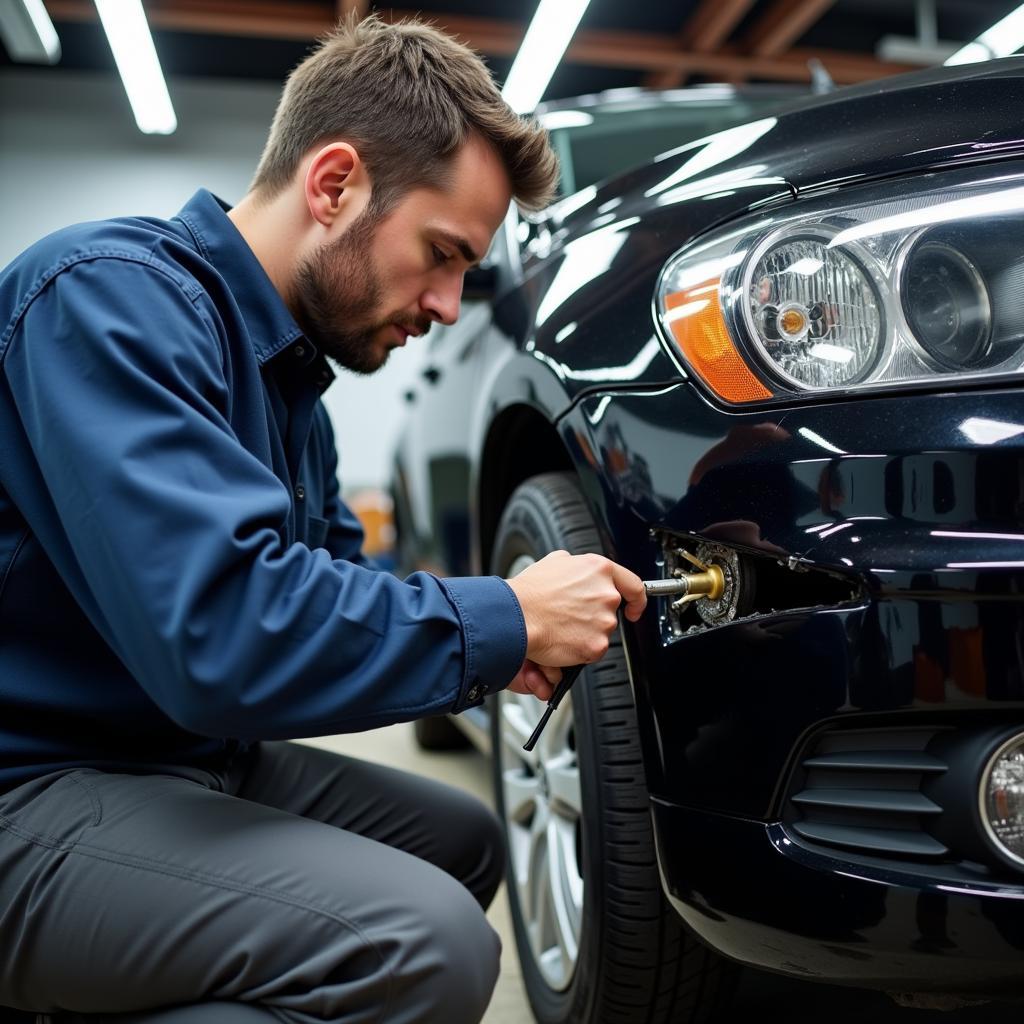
<point>597,941</point>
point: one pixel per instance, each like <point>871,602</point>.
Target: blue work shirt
<point>178,574</point>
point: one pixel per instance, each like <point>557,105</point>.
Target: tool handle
<point>568,678</point>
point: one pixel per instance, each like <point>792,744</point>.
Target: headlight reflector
<point>815,313</point>
<point>1002,799</point>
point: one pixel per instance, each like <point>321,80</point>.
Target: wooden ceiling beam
<point>844,68</point>
<point>706,29</point>
<point>344,8</point>
<point>782,25</point>
<point>301,21</point>
<point>712,23</point>
<point>289,21</point>
<point>488,35</point>
<point>643,51</point>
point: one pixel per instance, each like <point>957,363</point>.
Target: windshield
<point>598,143</point>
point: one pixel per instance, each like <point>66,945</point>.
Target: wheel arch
<point>521,443</point>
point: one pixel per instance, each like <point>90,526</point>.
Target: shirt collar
<point>271,325</point>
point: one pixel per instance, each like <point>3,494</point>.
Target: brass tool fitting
<point>708,582</point>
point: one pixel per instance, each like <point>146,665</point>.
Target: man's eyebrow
<point>458,242</point>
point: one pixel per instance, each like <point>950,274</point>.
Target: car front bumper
<point>752,891</point>
<point>917,503</point>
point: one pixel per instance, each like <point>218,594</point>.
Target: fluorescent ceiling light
<point>132,45</point>
<point>566,119</point>
<point>543,46</point>
<point>925,47</point>
<point>1002,39</point>
<point>28,33</point>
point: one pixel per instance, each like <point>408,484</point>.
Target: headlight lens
<point>815,313</point>
<point>873,287</point>
<point>946,303</point>
<point>1002,799</point>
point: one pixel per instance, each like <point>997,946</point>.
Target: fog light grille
<point>861,789</point>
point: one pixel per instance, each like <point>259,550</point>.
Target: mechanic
<point>182,588</point>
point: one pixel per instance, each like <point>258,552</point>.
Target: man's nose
<point>442,304</point>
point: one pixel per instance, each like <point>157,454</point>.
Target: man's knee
<point>471,844</point>
<point>447,966</point>
<point>483,880</point>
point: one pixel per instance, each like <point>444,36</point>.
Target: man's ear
<point>336,185</point>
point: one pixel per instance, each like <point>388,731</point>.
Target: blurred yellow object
<point>374,510</point>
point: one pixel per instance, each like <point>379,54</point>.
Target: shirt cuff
<point>494,634</point>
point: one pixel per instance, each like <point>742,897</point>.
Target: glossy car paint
<point>776,905</point>
<point>896,491</point>
<point>926,635</point>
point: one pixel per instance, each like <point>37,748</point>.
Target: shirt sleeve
<point>166,529</point>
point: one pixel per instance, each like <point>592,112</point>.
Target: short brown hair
<point>407,96</point>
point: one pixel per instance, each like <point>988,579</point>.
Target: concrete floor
<point>759,994</point>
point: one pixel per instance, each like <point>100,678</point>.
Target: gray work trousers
<point>298,886</point>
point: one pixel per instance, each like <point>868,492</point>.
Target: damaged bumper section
<point>755,584</point>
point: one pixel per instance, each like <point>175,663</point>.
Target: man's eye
<point>440,256</point>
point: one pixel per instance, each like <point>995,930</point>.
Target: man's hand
<point>569,603</point>
<point>536,679</point>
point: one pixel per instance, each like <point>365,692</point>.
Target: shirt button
<point>300,492</point>
<point>474,693</point>
<point>300,351</point>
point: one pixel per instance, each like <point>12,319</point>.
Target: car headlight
<point>1002,799</point>
<point>814,312</point>
<point>921,287</point>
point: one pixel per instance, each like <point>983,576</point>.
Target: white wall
<point>70,151</point>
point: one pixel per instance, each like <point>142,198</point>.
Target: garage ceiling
<point>619,43</point>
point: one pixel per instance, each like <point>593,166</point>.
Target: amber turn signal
<point>695,319</point>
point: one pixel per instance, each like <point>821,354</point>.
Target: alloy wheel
<point>543,821</point>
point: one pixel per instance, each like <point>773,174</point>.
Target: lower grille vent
<point>861,789</point>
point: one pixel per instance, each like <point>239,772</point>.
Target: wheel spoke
<point>530,863</point>
<point>563,775</point>
<point>568,836</point>
<point>520,795</point>
<point>535,884</point>
<point>516,726</point>
<point>564,890</point>
<point>550,962</point>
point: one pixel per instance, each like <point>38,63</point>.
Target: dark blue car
<point>788,350</point>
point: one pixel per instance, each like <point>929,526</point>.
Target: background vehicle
<point>792,348</point>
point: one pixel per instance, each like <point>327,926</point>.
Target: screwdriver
<point>707,582</point>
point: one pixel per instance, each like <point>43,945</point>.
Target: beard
<point>334,295</point>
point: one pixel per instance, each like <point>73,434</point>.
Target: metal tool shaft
<point>667,587</point>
